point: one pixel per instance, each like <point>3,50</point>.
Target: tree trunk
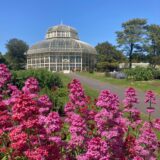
<point>130,55</point>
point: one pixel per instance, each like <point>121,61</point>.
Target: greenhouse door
<point>66,67</point>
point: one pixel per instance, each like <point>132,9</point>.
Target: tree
<point>15,54</point>
<point>139,57</point>
<point>130,39</point>
<point>2,59</point>
<point>153,44</point>
<point>108,56</point>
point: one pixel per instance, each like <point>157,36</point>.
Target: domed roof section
<point>64,45</point>
<point>62,31</point>
<point>62,28</point>
<point>61,38</point>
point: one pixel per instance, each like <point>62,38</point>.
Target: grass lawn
<point>89,91</point>
<point>142,85</point>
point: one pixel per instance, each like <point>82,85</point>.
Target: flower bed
<point>98,130</point>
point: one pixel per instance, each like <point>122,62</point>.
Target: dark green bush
<point>91,71</point>
<point>44,77</point>
<point>106,66</point>
<point>139,74</point>
<point>155,72</point>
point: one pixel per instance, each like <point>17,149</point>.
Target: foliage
<point>15,54</point>
<point>106,66</point>
<point>2,59</point>
<point>108,56</point>
<point>139,74</point>
<point>153,44</point>
<point>45,78</point>
<point>155,72</point>
<point>131,37</point>
<point>140,57</point>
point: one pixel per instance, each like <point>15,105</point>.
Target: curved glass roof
<point>61,38</point>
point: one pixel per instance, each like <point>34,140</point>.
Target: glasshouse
<point>61,51</point>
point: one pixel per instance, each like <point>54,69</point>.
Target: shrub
<point>155,72</point>
<point>139,74</point>
<point>45,78</point>
<point>106,66</point>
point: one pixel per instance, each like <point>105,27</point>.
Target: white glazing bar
<point>56,63</point>
<point>49,63</point>
<point>81,61</point>
<point>75,63</point>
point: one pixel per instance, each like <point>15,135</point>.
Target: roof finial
<point>61,22</point>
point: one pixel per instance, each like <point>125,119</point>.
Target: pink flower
<point>97,149</point>
<point>52,123</point>
<point>77,95</point>
<point>108,100</point>
<point>31,87</point>
<point>5,118</point>
<point>147,143</point>
<point>5,75</point>
<point>130,97</point>
<point>45,104</point>
<point>156,124</point>
<point>38,153</point>
<point>25,111</point>
<point>77,129</point>
<point>69,107</point>
<point>150,97</point>
<point>18,139</point>
<point>77,124</point>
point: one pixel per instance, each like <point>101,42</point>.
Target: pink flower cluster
<point>5,75</point>
<point>29,129</point>
<point>130,97</point>
<point>77,95</point>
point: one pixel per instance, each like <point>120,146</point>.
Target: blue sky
<point>96,20</point>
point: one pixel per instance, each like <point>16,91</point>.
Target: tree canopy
<point>15,54</point>
<point>2,59</point>
<point>108,56</point>
<point>153,44</point>
<point>130,39</point>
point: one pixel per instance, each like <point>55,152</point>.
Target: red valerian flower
<point>18,139</point>
<point>31,87</point>
<point>130,97</point>
<point>108,100</point>
<point>76,93</point>
<point>5,75</point>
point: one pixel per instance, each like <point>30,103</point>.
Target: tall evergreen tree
<point>153,44</point>
<point>130,39</point>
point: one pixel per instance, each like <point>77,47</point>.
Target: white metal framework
<point>61,51</point>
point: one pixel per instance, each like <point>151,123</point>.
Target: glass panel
<point>78,59</point>
<point>59,59</point>
<point>46,59</point>
<point>65,66</point>
<point>72,59</point>
<point>53,59</point>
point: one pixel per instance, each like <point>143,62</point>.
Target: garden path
<point>119,90</point>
